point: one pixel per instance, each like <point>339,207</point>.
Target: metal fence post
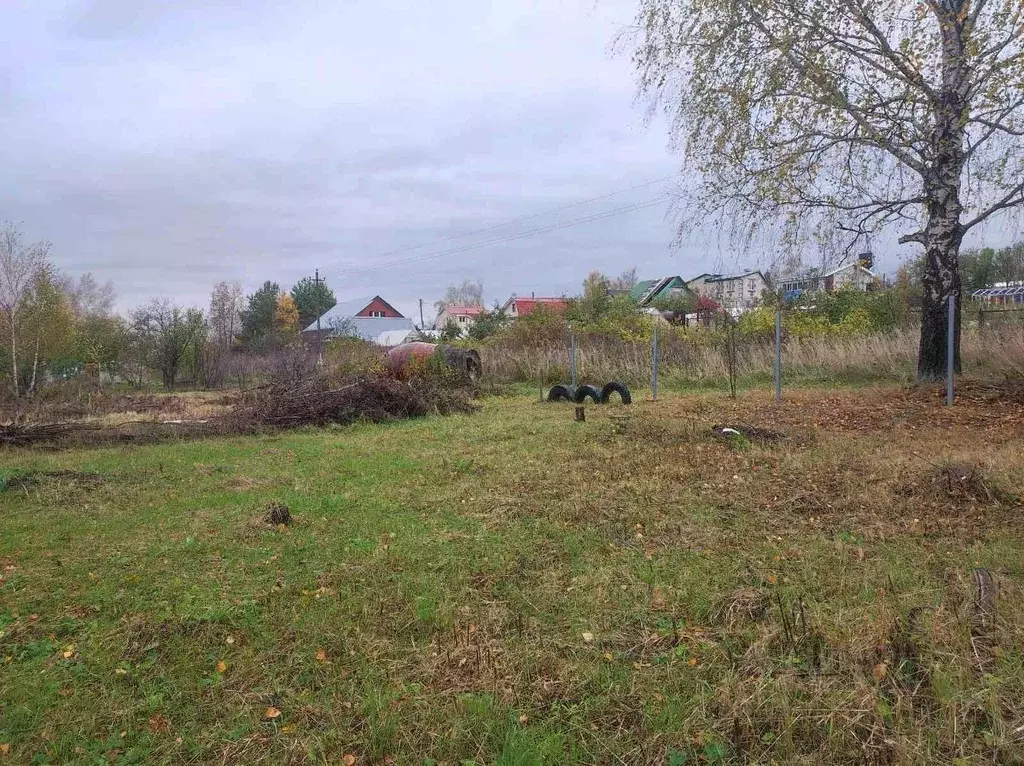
<point>654,364</point>
<point>778,355</point>
<point>950,332</point>
<point>572,358</point>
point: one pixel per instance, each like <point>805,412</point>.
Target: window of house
<point>378,314</point>
<point>462,319</point>
<point>750,284</point>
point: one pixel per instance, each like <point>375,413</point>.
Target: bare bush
<point>291,364</point>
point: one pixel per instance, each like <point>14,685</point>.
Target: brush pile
<point>322,399</point>
<point>21,434</point>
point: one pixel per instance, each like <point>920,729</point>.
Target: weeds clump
<point>277,513</point>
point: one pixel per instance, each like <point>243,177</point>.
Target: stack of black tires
<point>579,394</point>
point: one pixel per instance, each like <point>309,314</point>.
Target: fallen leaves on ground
<point>272,713</point>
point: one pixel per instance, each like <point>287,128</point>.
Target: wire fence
<point>992,344</point>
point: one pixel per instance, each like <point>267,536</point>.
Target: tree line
<point>54,326</point>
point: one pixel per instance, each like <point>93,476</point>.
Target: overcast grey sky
<point>167,146</point>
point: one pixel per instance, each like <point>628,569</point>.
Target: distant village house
<point>372,319</point>
<point>462,317</point>
<point>853,275</point>
<point>735,293</point>
<point>651,291</point>
<point>516,307</point>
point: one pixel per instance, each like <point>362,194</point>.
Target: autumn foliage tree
<point>286,316</point>
<point>859,114</point>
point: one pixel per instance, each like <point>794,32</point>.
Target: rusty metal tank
<point>406,359</point>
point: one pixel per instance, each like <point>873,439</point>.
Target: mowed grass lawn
<point>511,587</point>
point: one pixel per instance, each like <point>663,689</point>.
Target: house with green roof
<point>651,290</point>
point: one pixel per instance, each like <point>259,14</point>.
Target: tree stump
<point>581,414</point>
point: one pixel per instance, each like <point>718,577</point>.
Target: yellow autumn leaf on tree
<point>286,313</point>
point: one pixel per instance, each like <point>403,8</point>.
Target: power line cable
<point>661,199</point>
<point>512,221</point>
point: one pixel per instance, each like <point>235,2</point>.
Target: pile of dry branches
<point>322,399</point>
<point>20,434</point>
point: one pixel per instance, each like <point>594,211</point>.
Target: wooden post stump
<point>581,415</point>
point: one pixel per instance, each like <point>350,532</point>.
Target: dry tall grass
<point>990,351</point>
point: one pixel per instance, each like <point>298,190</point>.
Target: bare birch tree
<point>860,114</point>
<point>19,265</point>
<point>469,293</point>
<point>88,297</point>
<point>226,304</point>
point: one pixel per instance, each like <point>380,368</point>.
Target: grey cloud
<point>169,146</point>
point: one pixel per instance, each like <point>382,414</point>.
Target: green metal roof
<point>641,287</point>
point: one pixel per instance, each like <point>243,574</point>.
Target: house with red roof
<point>367,318</point>
<point>516,307</point>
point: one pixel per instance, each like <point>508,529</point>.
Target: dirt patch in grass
<point>39,478</point>
<point>870,410</point>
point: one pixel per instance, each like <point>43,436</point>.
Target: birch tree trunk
<point>35,368</point>
<point>14,360</point>
<point>941,279</point>
<point>943,230</point>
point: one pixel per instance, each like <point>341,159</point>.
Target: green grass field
<point>511,587</point>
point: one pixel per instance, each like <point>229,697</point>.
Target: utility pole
<point>319,338</point>
<point>422,324</point>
